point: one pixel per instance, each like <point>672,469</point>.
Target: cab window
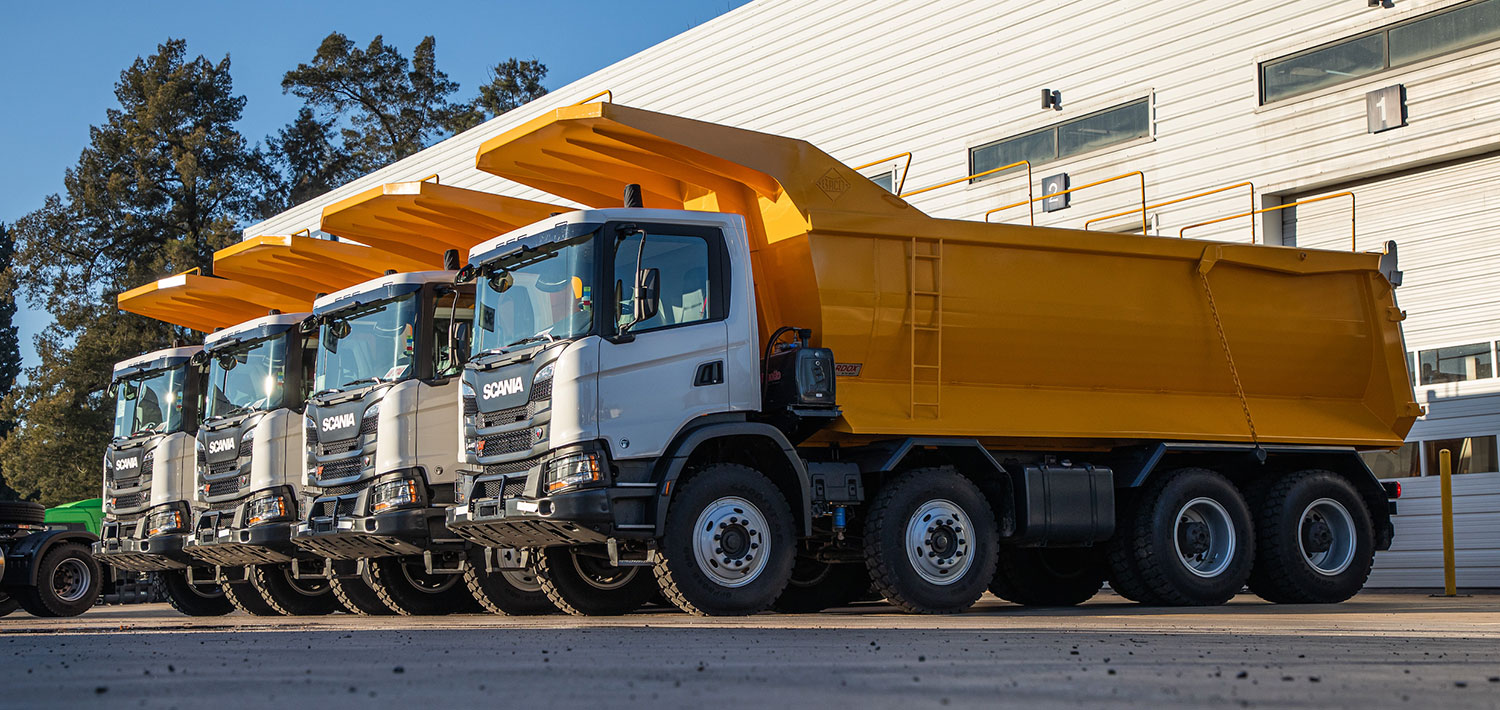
<point>683,267</point>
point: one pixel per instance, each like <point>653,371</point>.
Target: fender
<point>20,570</point>
<point>670,467</point>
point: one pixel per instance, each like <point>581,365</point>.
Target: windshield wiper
<point>544,335</point>
<point>371,380</point>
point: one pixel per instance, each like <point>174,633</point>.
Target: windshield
<point>370,343</point>
<point>247,377</point>
<point>149,402</point>
<point>542,294</point>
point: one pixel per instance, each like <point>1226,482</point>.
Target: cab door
<point>667,369</point>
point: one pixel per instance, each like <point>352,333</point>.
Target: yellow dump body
<point>1021,336</point>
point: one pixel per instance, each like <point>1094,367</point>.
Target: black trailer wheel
<point>511,592</point>
<point>587,585</point>
<point>1314,542</point>
<point>1035,576</point>
<point>290,596</point>
<point>816,586</point>
<point>729,543</point>
<point>245,597</point>
<point>68,580</point>
<point>20,512</point>
<point>405,586</point>
<point>357,596</point>
<point>930,542</point>
<point>1190,539</point>
<point>193,599</point>
<point>8,604</point>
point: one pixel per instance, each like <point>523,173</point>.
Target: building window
<point>1401,463</point>
<point>1097,130</point>
<point>1411,41</point>
<point>1456,364</point>
<point>886,180</point>
<point>1471,454</point>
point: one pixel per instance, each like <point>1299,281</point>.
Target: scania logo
<point>338,421</point>
<point>220,446</point>
<point>126,463</point>
<point>502,388</point>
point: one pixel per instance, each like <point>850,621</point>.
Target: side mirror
<point>459,342</point>
<point>647,294</point>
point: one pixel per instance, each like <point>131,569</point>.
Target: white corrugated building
<point>1396,102</point>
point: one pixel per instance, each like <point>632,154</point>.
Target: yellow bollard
<point>1445,467</point>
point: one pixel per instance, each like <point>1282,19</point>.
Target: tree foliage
<point>512,84</point>
<point>304,163</point>
<point>10,345</point>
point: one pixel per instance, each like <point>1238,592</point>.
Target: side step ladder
<point>926,298</point>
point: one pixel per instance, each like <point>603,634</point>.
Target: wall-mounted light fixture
<point>1051,99</point>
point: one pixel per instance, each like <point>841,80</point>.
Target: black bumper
<point>152,554</point>
<point>267,543</point>
<point>388,534</point>
<point>574,518</point>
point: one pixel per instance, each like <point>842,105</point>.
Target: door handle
<point>709,373</point>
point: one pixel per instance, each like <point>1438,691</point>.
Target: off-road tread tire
<point>1275,576</point>
<point>677,585</point>
<point>843,584</point>
<point>1124,574</point>
<point>884,574</point>
<point>245,597</point>
<point>510,601</point>
<point>8,604</point>
<point>1022,578</point>
<point>185,601</point>
<point>1153,564</point>
<point>41,599</point>
<point>22,512</point>
<point>268,580</point>
<point>454,599</point>
<point>359,598</point>
<point>571,595</point>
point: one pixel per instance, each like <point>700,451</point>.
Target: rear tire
<point>290,596</point>
<point>1035,576</point>
<point>930,542</point>
<point>729,543</point>
<point>1314,540</point>
<point>584,585</point>
<point>357,596</point>
<point>816,586</point>
<point>245,597</point>
<point>506,591</point>
<point>20,512</point>
<point>407,588</point>
<point>193,599</point>
<point>68,581</point>
<point>1190,539</point>
<point>8,604</point>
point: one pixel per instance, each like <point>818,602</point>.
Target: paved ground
<point>1379,650</point>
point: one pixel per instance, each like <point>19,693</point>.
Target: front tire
<point>193,599</point>
<point>729,543</point>
<point>8,604</point>
<point>506,591</point>
<point>816,586</point>
<point>290,596</point>
<point>1036,576</point>
<point>245,597</point>
<point>357,596</point>
<point>585,585</point>
<point>930,542</point>
<point>1314,539</point>
<point>406,587</point>
<point>68,582</point>
<point>1189,541</point>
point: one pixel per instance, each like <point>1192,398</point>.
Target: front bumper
<point>216,541</point>
<point>392,533</point>
<point>118,548</point>
<point>577,517</point>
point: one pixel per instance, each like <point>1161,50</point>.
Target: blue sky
<point>62,59</point>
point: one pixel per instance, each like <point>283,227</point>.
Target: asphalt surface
<point>1378,650</point>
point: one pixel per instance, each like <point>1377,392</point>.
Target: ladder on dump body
<point>926,269</point>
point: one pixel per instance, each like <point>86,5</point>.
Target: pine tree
<point>10,347</point>
<point>512,84</point>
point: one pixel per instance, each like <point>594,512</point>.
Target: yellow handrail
<point>1353,236</point>
<point>904,170</point>
<point>1205,193</point>
<point>304,230</point>
<point>976,176</point>
<point>1138,173</point>
<point>605,92</point>
<point>433,177</point>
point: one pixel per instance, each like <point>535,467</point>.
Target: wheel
<point>816,586</point>
<point>512,592</point>
<point>68,582</point>
<point>1314,542</point>
<point>1036,576</point>
<point>194,599</point>
<point>245,597</point>
<point>8,604</point>
<point>290,596</point>
<point>729,543</point>
<point>585,585</point>
<point>1190,538</point>
<point>1123,573</point>
<point>930,542</point>
<point>405,586</point>
<point>20,512</point>
<point>357,596</point>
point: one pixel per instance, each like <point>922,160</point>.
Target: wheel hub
<point>727,541</point>
<point>936,542</point>
<point>70,581</point>
<point>1193,537</point>
<point>1204,537</point>
<point>1317,537</point>
<point>1327,537</point>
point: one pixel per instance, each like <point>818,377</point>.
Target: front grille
<point>223,467</point>
<point>125,482</point>
<point>342,446</point>
<point>505,488</point>
<point>368,425</point>
<point>223,488</point>
<point>129,500</point>
<point>471,407</point>
<point>507,443</point>
<point>345,489</point>
<point>341,506</point>
<point>500,469</point>
<point>147,461</point>
<point>542,391</point>
<point>246,448</point>
<point>224,504</point>
<point>508,416</point>
<point>338,469</point>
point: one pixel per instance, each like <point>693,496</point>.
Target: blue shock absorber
<point>838,518</point>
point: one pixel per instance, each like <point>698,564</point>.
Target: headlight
<point>165,521</point>
<point>461,489</point>
<point>371,412</point>
<point>572,470</point>
<point>249,436</point>
<point>393,494</point>
<point>545,373</point>
<point>468,403</point>
<point>201,457</point>
<point>265,510</point>
<point>311,442</point>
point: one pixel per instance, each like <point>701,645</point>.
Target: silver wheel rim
<point>600,576</point>
<point>1204,537</point>
<point>730,542</point>
<point>1325,535</point>
<point>521,579</point>
<point>305,587</point>
<point>71,580</point>
<point>443,583</point>
<point>939,541</point>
